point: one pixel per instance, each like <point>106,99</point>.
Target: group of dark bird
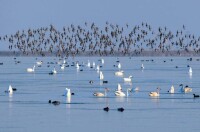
<point>111,39</point>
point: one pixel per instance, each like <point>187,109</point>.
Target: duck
<point>171,90</point>
<point>106,109</point>
<point>155,94</point>
<point>54,102</point>
<point>99,94</point>
<point>31,69</point>
<point>119,73</point>
<point>196,96</point>
<point>186,89</point>
<point>128,79</point>
<point>121,109</point>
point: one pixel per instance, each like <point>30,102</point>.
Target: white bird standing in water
<point>68,94</point>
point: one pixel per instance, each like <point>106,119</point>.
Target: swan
<point>31,69</point>
<point>171,90</point>
<point>68,94</point>
<point>190,70</point>
<point>119,66</point>
<point>10,89</point>
<point>120,93</point>
<point>53,71</point>
<point>98,68</point>
<point>186,89</point>
<point>119,73</point>
<point>93,64</point>
<point>102,61</point>
<point>77,66</point>
<point>142,67</point>
<point>155,94</point>
<point>128,79</point>
<point>88,63</point>
<point>99,94</point>
<point>101,75</point>
<point>62,67</point>
<point>39,62</point>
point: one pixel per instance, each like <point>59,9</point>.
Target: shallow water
<point>28,108</point>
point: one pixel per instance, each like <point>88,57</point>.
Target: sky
<point>23,14</point>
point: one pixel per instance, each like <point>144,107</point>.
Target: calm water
<point>28,108</point>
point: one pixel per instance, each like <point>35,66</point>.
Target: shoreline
<point>117,54</point>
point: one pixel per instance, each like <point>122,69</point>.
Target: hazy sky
<point>23,14</point>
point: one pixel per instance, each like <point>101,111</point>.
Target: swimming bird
<point>142,66</point>
<point>119,66</point>
<point>106,109</point>
<point>196,96</point>
<point>155,94</point>
<point>62,67</point>
<point>128,79</point>
<point>10,89</point>
<point>190,70</point>
<point>39,62</point>
<point>54,102</point>
<point>119,73</point>
<point>101,76</point>
<point>99,94</point>
<point>68,94</point>
<point>171,90</point>
<point>121,109</point>
<point>53,71</point>
<point>31,69</point>
<point>120,93</point>
<point>185,89</point>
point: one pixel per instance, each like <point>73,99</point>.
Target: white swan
<point>68,94</point>
<point>120,93</point>
<point>88,63</point>
<point>10,89</point>
<point>62,67</point>
<point>171,90</point>
<point>99,94</point>
<point>53,71</point>
<point>119,73</point>
<point>142,66</point>
<point>39,62</point>
<point>98,68</point>
<point>186,89</point>
<point>119,66</point>
<point>77,66</point>
<point>128,79</point>
<point>93,64</point>
<point>190,70</point>
<point>155,94</point>
<point>102,61</point>
<point>101,76</point>
<point>31,69</point>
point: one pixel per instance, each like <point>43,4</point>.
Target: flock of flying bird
<point>112,39</point>
<point>120,73</point>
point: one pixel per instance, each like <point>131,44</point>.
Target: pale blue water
<point>28,109</point>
